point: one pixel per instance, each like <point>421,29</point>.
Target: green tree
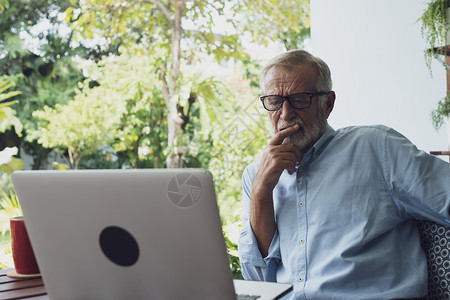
<point>41,58</point>
<point>160,24</point>
<point>286,22</point>
<point>35,70</point>
<point>79,127</point>
<point>131,81</point>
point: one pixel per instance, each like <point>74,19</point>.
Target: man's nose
<point>287,112</point>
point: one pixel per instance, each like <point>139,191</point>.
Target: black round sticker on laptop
<point>119,246</point>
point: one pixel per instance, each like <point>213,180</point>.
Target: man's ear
<point>329,103</point>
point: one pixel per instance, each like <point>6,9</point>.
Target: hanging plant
<point>434,29</point>
<point>443,110</point>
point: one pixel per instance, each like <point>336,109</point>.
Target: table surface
<point>12,288</point>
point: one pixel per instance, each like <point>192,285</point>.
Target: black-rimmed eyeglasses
<point>297,101</point>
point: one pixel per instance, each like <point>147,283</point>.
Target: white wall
<point>375,53</point>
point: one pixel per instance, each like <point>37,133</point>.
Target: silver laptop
<point>130,234</point>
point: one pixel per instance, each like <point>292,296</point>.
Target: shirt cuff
<point>252,260</point>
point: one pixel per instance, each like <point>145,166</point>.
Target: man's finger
<point>281,135</point>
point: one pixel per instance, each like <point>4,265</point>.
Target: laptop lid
<point>126,234</point>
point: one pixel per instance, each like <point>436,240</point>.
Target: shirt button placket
<point>301,205</point>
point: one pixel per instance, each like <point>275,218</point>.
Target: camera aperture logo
<point>184,190</point>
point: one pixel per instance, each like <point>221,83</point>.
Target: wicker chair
<point>435,241</point>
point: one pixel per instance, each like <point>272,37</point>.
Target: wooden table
<point>11,288</point>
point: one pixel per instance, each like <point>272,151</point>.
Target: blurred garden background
<point>105,84</point>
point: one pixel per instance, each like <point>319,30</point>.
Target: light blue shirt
<point>345,219</point>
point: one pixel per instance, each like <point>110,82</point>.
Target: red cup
<point>23,255</point>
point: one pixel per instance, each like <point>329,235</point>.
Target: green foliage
<point>435,27</point>
<point>442,111</point>
<point>12,165</point>
<point>8,118</point>
<point>81,126</point>
<point>269,21</point>
<point>3,4</point>
<point>120,22</point>
<point>231,233</point>
<point>3,87</point>
<point>41,58</point>
<point>6,260</point>
<point>103,158</point>
<point>7,114</point>
<point>238,137</point>
<point>9,204</point>
<point>59,166</point>
<point>212,98</point>
<point>9,208</point>
<point>141,113</point>
<point>57,87</point>
<point>20,19</point>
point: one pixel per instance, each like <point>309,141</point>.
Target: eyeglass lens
<point>297,101</point>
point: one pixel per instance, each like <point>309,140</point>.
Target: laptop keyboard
<point>247,297</point>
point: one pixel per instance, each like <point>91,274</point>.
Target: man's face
<point>312,120</point>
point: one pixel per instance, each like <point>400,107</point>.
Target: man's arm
<point>420,183</point>
<point>276,158</point>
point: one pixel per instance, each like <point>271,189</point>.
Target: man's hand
<point>276,158</point>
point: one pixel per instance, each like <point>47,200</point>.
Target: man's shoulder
<point>364,133</point>
<point>365,129</point>
<point>372,136</point>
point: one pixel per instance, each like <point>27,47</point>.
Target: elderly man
<point>333,211</point>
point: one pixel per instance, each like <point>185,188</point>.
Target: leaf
<point>13,165</point>
<point>59,166</point>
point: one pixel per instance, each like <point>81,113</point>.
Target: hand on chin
<point>286,140</point>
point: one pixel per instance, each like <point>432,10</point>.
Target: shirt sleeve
<point>419,182</point>
<point>254,266</point>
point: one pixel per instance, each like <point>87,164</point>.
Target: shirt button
<point>300,203</point>
<point>302,241</point>
<point>300,279</point>
<point>301,171</point>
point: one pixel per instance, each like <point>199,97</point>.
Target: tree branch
<point>165,88</point>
